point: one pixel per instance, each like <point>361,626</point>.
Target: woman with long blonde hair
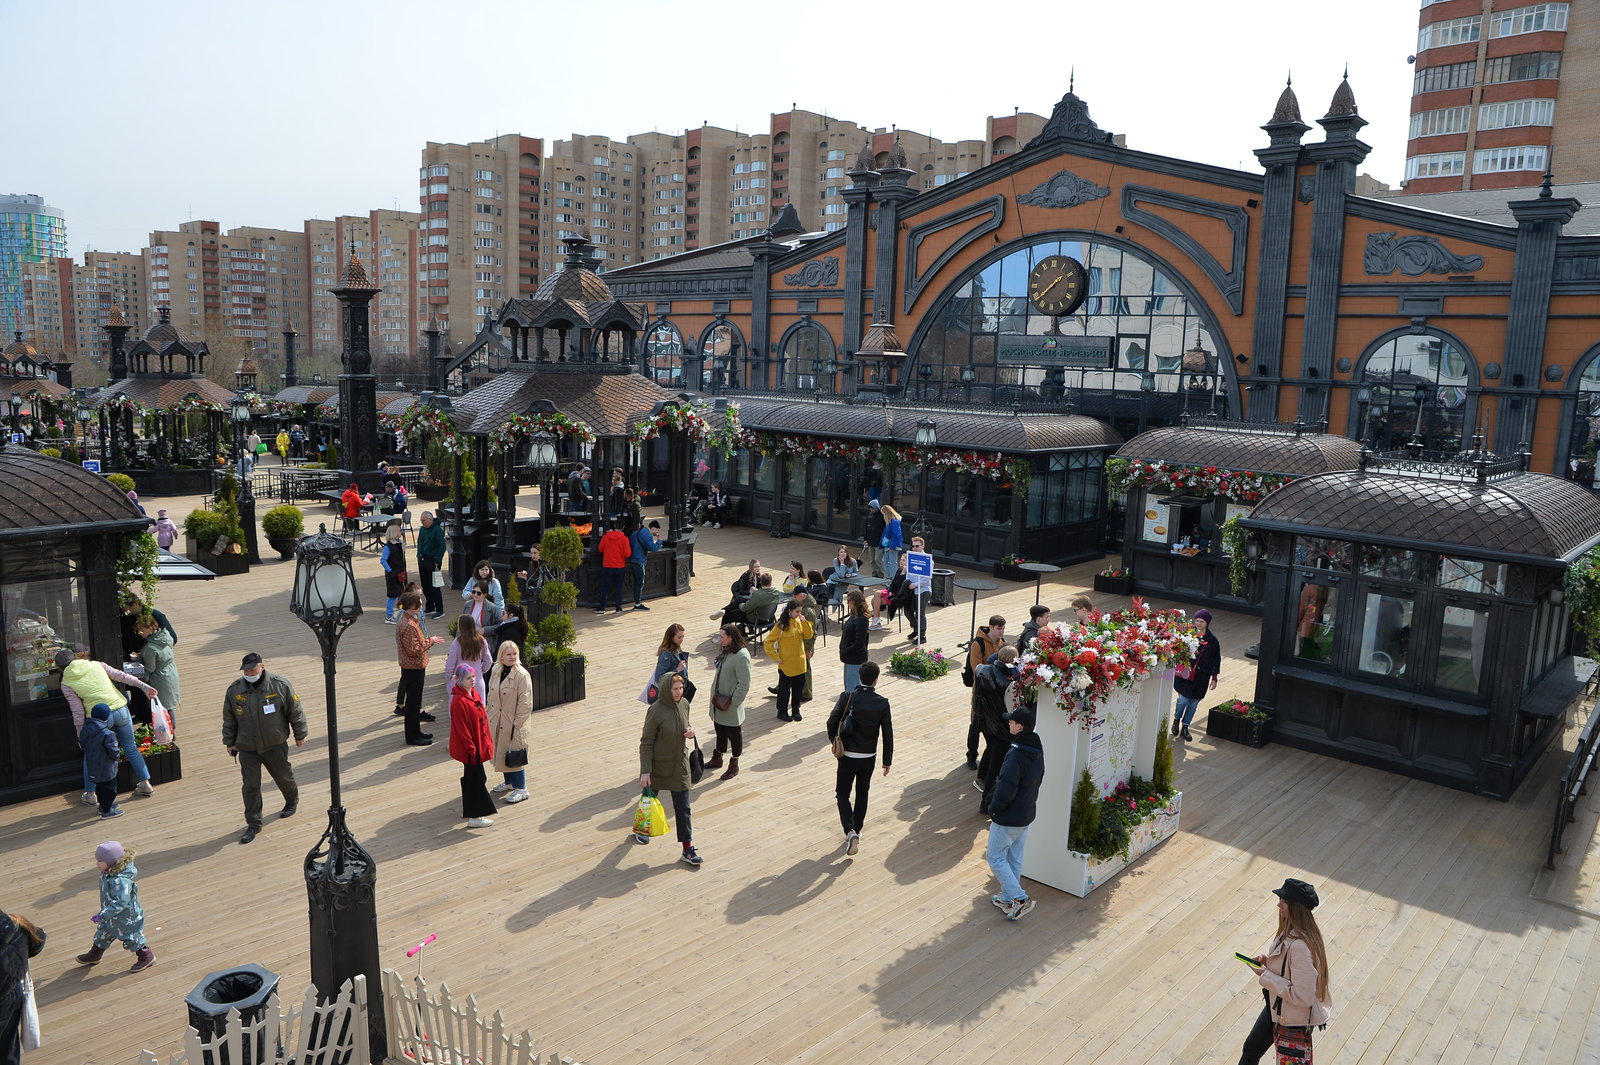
<point>893,539</point>
<point>1293,974</point>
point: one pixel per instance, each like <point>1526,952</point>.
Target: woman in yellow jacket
<point>786,642</point>
<point>283,447</point>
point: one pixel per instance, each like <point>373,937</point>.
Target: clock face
<point>1057,285</point>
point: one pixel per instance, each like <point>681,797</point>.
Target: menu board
<point>1157,523</point>
<point>1235,510</point>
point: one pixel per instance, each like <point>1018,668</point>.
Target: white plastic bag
<point>160,721</point>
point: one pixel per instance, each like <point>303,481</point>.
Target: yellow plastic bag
<point>650,819</point>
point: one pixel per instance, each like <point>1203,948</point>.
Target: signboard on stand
<point>92,465</point>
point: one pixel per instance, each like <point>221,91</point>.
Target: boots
<point>143,959</point>
<point>732,770</point>
<point>716,761</point>
<point>92,956</point>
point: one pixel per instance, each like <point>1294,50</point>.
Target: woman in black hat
<point>1293,975</point>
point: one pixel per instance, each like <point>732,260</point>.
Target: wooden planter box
<point>1113,585</point>
<point>557,683</point>
<point>1011,573</point>
<point>164,769</point>
<point>1238,729</point>
<point>432,492</point>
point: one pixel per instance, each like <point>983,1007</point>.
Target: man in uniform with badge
<point>259,712</point>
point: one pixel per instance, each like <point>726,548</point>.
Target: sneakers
<point>115,811</point>
<point>640,838</point>
<point>500,788</point>
<point>389,620</point>
<point>717,525</point>
<point>640,606</point>
<point>437,616</point>
<point>978,784</point>
<point>144,787</point>
<point>517,796</point>
<point>599,610</point>
<point>852,843</point>
<point>143,959</point>
<point>1019,909</point>
<point>1000,902</point>
<point>88,799</point>
<point>690,856</point>
<point>714,615</point>
<point>480,822</point>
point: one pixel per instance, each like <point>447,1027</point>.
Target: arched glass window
<point>807,351</point>
<point>663,350</point>
<point>1414,390</point>
<point>977,347</point>
<point>722,351</point>
<point>1583,441</point>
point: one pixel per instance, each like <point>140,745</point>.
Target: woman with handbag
<point>393,560</point>
<point>1191,682</point>
<point>853,639</point>
<point>664,759</point>
<point>729,686</point>
<point>471,745</point>
<point>20,939</point>
<point>672,658</point>
<point>509,702</point>
<point>786,643</point>
<point>858,718</point>
<point>1293,974</point>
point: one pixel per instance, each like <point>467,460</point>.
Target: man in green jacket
<point>259,712</point>
<point>430,555</point>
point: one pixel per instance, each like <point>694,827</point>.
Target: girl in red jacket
<point>472,745</point>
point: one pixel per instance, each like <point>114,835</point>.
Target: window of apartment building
<point>438,256</point>
<point>1438,164</point>
<point>484,175</point>
<point>485,227</point>
<point>1526,67</point>
<point>486,193</point>
<point>563,201</point>
<point>833,208</point>
<point>833,173</point>
<point>1450,31</point>
<point>599,223</point>
<point>832,227</point>
<point>835,156</point>
<point>483,208</point>
<point>627,168</point>
<point>601,208</point>
<point>1516,113</point>
<point>1523,157</point>
<point>567,218</point>
<point>563,186</point>
<point>1444,120</point>
<point>486,260</point>
<point>1449,76</point>
<point>600,160</point>
<point>436,223</point>
<point>627,227</point>
<point>435,171</point>
<point>439,239</point>
<point>1528,20</point>
<point>439,188</point>
<point>485,242</point>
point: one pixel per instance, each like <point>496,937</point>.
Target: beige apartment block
<point>43,305</point>
<point>479,230</point>
<point>66,303</point>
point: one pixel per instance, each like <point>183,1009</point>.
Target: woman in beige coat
<point>508,703</point>
<point>1293,974</point>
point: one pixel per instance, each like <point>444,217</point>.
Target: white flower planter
<point>1144,838</point>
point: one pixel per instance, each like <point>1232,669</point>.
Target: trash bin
<point>943,592</point>
<point>780,524</point>
<point>246,988</point>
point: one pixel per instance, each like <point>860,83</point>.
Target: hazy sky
<point>133,117</point>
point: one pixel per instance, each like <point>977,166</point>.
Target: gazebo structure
<point>1434,644</point>
<point>61,534</point>
<point>42,386</point>
<point>1183,482</point>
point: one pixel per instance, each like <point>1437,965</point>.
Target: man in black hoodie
<point>989,690</point>
<point>1012,809</point>
<point>1038,618</point>
<point>859,716</point>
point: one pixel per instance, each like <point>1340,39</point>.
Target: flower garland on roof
<point>1081,664</point>
<point>513,429</point>
<point>676,416</point>
<point>1241,486</point>
<point>192,404</point>
<point>420,424</point>
<point>276,408</point>
<point>326,412</point>
<point>993,465</point>
<point>122,401</point>
<point>388,422</point>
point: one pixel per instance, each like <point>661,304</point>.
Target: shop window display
<point>41,616</point>
<point>1385,635</point>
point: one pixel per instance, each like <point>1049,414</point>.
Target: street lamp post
<point>16,412</point>
<point>247,493</point>
<point>84,416</point>
<point>341,877</point>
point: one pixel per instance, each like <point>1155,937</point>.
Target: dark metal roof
<point>978,430</point>
<point>160,392</point>
<point>1266,448</point>
<point>609,401</point>
<point>307,393</point>
<point>1526,516</point>
<point>40,495</point>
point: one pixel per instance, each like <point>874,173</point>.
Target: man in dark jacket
<point>1038,618</point>
<point>644,540</point>
<point>1012,809</point>
<point>859,716</point>
<point>872,542</point>
<point>983,646</point>
<point>259,713</point>
<point>430,554</point>
<point>989,714</point>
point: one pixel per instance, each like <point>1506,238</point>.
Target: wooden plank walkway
<point>1448,942</point>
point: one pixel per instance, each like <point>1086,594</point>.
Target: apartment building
<point>31,232</point>
<point>65,303</point>
<point>1504,91</point>
<point>480,229</point>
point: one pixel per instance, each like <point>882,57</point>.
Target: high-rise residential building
<point>31,232</point>
<point>66,303</point>
<point>1504,91</point>
<point>480,229</point>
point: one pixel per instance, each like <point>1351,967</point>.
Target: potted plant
<point>1116,580</point>
<point>164,761</point>
<point>1007,569</point>
<point>1239,721</point>
<point>283,526</point>
<point>200,531</point>
<point>438,471</point>
<point>918,664</point>
<point>557,670</point>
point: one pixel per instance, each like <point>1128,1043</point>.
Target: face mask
<point>257,678</point>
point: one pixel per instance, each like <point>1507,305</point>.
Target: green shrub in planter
<point>560,595</point>
<point>561,549</point>
<point>203,527</point>
<point>50,452</point>
<point>122,481</point>
<point>284,522</point>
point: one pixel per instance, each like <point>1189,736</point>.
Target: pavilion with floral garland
<point>1179,486</point>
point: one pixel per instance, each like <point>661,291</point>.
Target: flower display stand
<point>1121,744</point>
<point>1238,729</point>
<point>164,767</point>
<point>1113,585</point>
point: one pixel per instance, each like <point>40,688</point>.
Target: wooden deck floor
<point>1448,943</point>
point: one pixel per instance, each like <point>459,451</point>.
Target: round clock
<point>1057,285</point>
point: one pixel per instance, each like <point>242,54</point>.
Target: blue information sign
<point>919,564</point>
<point>92,465</point>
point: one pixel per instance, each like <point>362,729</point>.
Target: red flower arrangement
<point>1081,664</point>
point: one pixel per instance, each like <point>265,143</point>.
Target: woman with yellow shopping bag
<point>664,766</point>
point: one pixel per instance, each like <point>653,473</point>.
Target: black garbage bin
<point>780,523</point>
<point>246,988</point>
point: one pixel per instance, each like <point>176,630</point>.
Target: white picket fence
<point>424,1028</point>
<point>285,1034</point>
<point>429,1029</point>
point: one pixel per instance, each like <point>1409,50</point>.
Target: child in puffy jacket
<point>121,916</point>
<point>100,756</point>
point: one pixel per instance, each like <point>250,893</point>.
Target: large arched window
<point>722,355</point>
<point>1414,389</point>
<point>806,353</point>
<point>663,351</point>
<point>1583,439</point>
<point>987,343</point>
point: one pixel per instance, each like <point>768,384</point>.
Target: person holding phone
<point>1293,974</point>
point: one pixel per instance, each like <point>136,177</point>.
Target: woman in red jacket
<point>352,506</point>
<point>471,745</point>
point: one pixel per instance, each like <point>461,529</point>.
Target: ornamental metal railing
<point>1574,784</point>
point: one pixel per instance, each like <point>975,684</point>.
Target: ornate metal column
<point>358,389</point>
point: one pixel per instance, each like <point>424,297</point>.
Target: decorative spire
<point>897,155</point>
<point>866,161</point>
<point>1344,100</point>
<point>355,275</point>
<point>1288,109</point>
<point>116,318</point>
